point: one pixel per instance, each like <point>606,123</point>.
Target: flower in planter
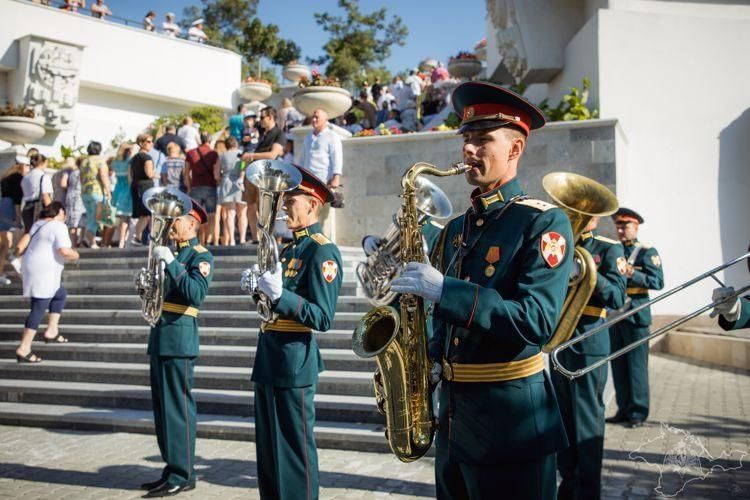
<point>22,111</point>
<point>250,79</point>
<point>463,55</point>
<point>318,80</point>
<point>481,44</point>
<point>368,132</point>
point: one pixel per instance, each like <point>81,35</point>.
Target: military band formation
<point>472,307</point>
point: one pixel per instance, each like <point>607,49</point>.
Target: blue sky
<point>437,28</point>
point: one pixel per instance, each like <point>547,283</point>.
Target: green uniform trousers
<point>527,480</point>
<point>582,407</point>
<point>174,416</point>
<point>286,452</point>
<point>630,371</point>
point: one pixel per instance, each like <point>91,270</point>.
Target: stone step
<point>338,435</point>
<point>237,318</point>
<point>220,251</point>
<point>127,334</point>
<point>125,287</point>
<point>128,275</point>
<point>357,409</point>
<point>346,303</point>
<point>342,383</point>
<point>210,355</point>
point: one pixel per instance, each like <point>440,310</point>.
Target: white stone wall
<point>128,76</point>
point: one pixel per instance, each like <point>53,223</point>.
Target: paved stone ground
<point>697,440</point>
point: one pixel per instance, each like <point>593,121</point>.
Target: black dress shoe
<point>168,490</point>
<point>616,419</point>
<point>634,423</point>
<point>152,484</point>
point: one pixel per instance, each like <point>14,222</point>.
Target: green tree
<point>357,40</point>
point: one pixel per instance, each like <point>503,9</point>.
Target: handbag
<point>107,212</point>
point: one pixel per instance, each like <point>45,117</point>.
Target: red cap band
<point>627,218</point>
<point>313,192</point>
<point>476,112</point>
<point>196,215</point>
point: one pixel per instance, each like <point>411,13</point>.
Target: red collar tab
<point>500,112</point>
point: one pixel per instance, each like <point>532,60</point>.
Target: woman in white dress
<point>44,248</point>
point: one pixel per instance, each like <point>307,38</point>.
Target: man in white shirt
<point>322,156</point>
<point>189,133</point>
<point>196,33</point>
<point>99,10</point>
<point>169,27</point>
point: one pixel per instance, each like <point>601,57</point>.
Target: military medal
<point>456,241</point>
<point>492,258</point>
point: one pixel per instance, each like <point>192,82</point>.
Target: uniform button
<point>456,341</point>
<point>467,278</point>
<point>283,259</point>
<point>479,222</point>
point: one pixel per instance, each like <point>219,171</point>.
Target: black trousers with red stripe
<point>285,444</point>
<point>174,416</point>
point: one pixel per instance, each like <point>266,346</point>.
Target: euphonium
<point>398,339</point>
<point>272,178</point>
<point>581,199</point>
<point>384,265</point>
<point>165,205</point>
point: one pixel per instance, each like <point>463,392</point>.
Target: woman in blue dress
<point>122,198</point>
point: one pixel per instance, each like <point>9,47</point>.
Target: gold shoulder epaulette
<point>437,224</point>
<point>606,240</point>
<point>200,249</point>
<point>540,205</point>
<point>320,239</point>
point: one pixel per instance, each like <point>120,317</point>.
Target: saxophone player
<point>501,277</point>
<point>303,290</point>
<point>173,349</point>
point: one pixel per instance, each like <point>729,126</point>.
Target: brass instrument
<point>581,199</point>
<point>398,339</point>
<point>272,178</point>
<point>384,265</point>
<point>165,204</point>
<point>661,331</point>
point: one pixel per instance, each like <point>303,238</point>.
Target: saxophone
<point>398,339</point>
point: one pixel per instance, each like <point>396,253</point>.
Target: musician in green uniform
<point>303,290</point>
<point>733,314</point>
<point>501,276</point>
<point>630,371</point>
<point>173,349</point>
<point>582,400</point>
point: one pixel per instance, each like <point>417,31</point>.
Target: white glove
<point>420,279</point>
<point>729,309</point>
<point>370,244</point>
<point>435,372</point>
<point>163,253</point>
<point>270,283</point>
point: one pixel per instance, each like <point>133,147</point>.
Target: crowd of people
<point>169,27</point>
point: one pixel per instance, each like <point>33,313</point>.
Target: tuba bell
<point>398,338</point>
<point>384,265</point>
<point>165,204</point>
<point>273,178</point>
<point>581,199</point>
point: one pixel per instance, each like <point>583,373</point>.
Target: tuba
<point>581,199</point>
<point>382,267</point>
<point>165,204</point>
<point>398,339</point>
<point>272,178</point>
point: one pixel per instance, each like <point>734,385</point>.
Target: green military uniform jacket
<point>743,321</point>
<point>648,275</point>
<point>501,303</point>
<point>609,293</point>
<point>288,354</point>
<point>186,282</point>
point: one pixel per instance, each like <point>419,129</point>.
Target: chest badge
<point>553,248</point>
<point>456,241</point>
<point>205,269</point>
<point>622,265</point>
<point>492,258</point>
<point>656,260</point>
<point>330,270</point>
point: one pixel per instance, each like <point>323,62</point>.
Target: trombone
<point>708,274</point>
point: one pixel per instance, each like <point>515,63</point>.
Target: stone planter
<point>20,130</point>
<point>255,91</point>
<point>334,100</point>
<point>464,68</point>
<point>295,72</point>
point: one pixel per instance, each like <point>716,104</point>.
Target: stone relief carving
<point>53,82</point>
<point>504,17</point>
